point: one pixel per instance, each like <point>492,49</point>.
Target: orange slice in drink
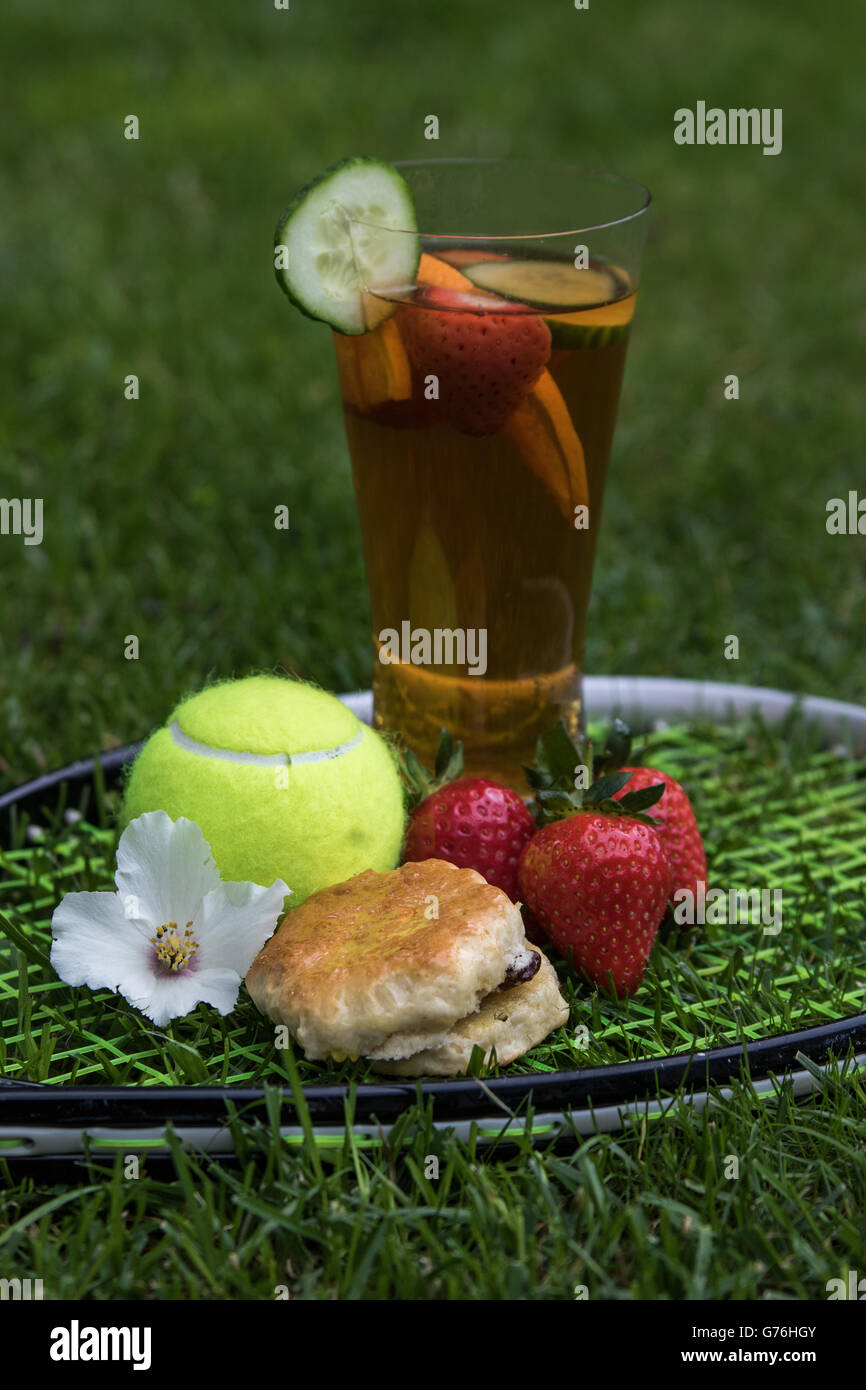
<point>373,367</point>
<point>541,429</point>
<point>433,271</point>
<point>439,274</point>
<point>432,592</point>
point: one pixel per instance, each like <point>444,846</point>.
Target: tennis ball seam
<point>230,755</point>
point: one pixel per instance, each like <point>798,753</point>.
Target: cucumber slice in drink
<point>574,335</point>
<point>350,231</point>
<point>552,285</point>
<point>592,328</point>
<point>585,335</point>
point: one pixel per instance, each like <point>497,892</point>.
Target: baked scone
<point>511,1021</point>
<point>386,964</point>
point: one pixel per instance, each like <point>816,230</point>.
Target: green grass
<point>154,258</point>
<point>646,1214</point>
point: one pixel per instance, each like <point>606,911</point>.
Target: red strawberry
<point>598,885</point>
<point>485,363</point>
<point>679,833</point>
<point>476,824</point>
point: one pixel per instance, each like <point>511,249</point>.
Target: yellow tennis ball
<point>284,781</point>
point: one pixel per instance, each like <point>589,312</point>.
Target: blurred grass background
<point>154,257</point>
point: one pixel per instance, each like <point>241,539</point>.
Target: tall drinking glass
<point>479,416</point>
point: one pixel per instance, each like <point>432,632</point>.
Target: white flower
<point>174,934</point>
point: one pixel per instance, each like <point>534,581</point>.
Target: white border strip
<point>230,755</point>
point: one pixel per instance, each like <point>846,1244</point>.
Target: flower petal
<point>164,869</point>
<point>95,945</point>
<point>165,873</point>
<point>219,988</point>
<point>172,996</point>
<point>236,921</point>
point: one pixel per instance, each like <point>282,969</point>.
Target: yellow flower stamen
<point>173,950</point>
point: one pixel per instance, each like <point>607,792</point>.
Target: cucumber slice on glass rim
<point>350,231</point>
<point>552,285</point>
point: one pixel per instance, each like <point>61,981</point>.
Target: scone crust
<point>364,960</point>
<point>512,1021</point>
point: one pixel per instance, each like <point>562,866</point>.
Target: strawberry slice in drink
<point>484,363</point>
<point>492,377</point>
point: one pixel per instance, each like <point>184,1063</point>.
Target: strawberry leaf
<point>556,757</point>
<point>414,772</point>
<point>563,755</point>
<point>551,804</point>
<point>534,775</point>
<point>449,759</point>
<point>552,778</point>
<point>420,782</point>
<point>617,747</point>
<point>607,787</point>
<point>443,752</point>
<point>613,808</point>
<point>644,798</point>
